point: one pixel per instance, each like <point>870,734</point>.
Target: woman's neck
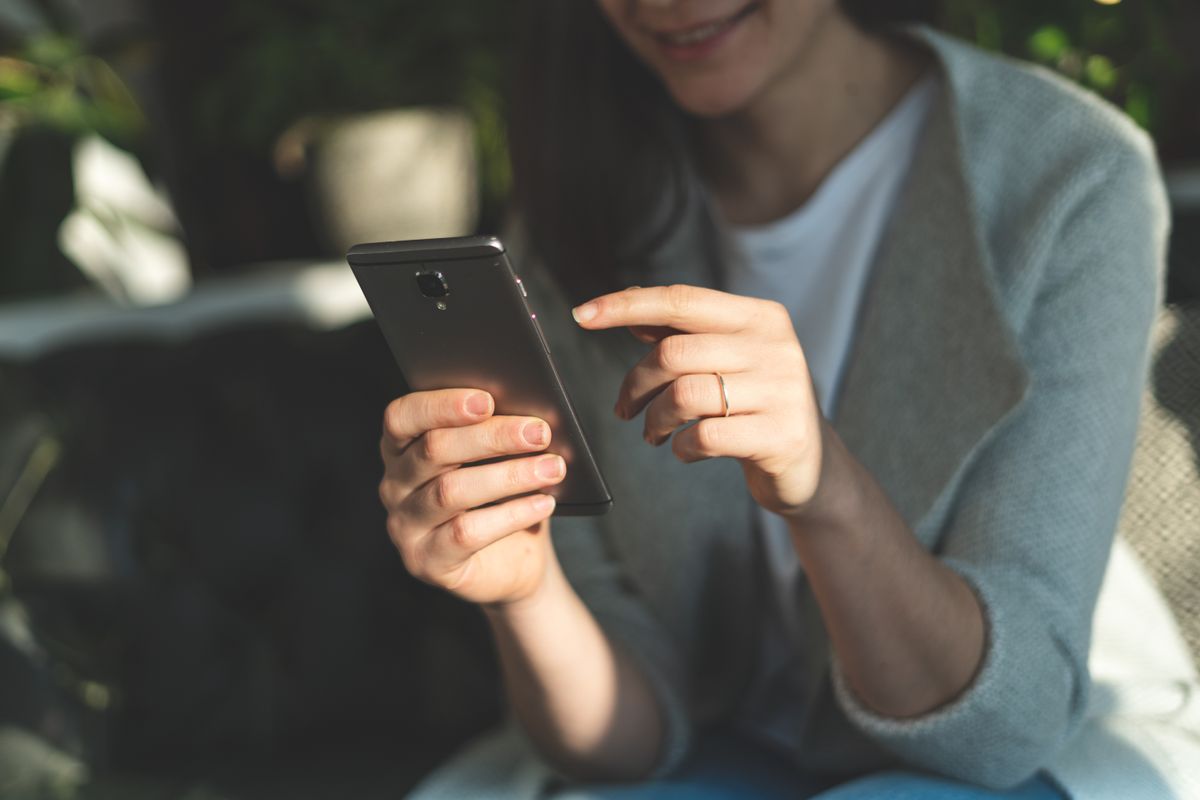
<point>766,160</point>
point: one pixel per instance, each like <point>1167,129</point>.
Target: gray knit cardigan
<point>992,390</point>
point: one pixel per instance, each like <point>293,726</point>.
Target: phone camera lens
<point>432,284</point>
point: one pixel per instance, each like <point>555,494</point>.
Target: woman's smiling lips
<point>698,41</point>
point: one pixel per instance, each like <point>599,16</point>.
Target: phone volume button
<point>521,286</point>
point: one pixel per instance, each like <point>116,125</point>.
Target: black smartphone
<point>455,315</point>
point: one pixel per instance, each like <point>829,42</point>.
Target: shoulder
<point>1007,108</point>
<point>1042,159</point>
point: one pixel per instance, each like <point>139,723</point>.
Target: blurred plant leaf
<point>18,79</point>
<point>1137,105</point>
<point>53,83</point>
<point>1048,43</point>
<point>1100,72</point>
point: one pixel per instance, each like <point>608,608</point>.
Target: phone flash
<point>440,305</point>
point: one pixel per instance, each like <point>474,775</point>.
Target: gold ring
<point>724,394</point>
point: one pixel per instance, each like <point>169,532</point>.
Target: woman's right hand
<point>496,555</point>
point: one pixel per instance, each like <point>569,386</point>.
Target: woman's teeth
<point>696,35</point>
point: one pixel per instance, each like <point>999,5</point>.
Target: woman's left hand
<point>774,426</point>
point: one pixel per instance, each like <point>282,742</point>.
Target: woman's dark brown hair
<point>599,149</point>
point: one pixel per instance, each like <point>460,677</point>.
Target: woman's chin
<point>712,102</point>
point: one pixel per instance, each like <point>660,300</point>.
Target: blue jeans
<point>724,767</point>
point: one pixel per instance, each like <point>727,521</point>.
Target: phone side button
<point>520,286</point>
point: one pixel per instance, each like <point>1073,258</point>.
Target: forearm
<point>582,700</point>
<point>908,631</point>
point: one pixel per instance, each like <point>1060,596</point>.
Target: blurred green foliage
<point>1131,52</point>
<point>51,82</point>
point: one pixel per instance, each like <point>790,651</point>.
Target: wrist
<point>840,490</point>
<point>549,592</point>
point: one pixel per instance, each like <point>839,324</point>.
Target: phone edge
<point>425,250</point>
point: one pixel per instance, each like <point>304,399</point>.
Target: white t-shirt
<point>817,261</point>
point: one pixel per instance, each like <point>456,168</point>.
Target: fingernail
<point>618,410</point>
<point>543,503</point>
<point>550,468</point>
<point>479,404</point>
<point>584,312</point>
<point>535,433</point>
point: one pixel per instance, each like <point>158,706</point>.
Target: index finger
<point>688,309</point>
<point>412,415</point>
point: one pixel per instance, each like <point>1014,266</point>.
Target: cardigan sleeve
<point>1032,522</point>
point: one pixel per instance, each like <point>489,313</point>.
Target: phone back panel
<point>485,337</point>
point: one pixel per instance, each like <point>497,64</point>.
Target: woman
<point>905,288</point>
